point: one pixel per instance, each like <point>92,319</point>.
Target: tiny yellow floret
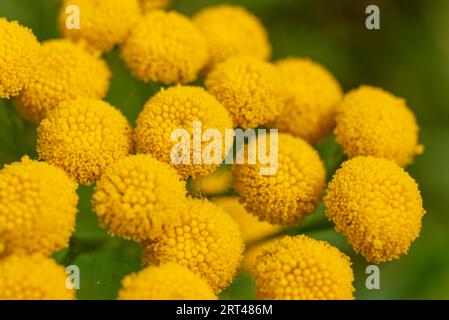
<point>178,108</point>
<point>312,94</point>
<point>37,208</point>
<point>291,194</point>
<point>19,56</point>
<point>165,47</point>
<point>170,281</point>
<point>302,268</point>
<point>149,5</point>
<point>373,122</point>
<point>83,137</point>
<point>139,198</point>
<point>66,71</point>
<point>33,277</point>
<point>206,240</point>
<point>232,30</point>
<point>103,23</point>
<point>376,205</point>
<point>249,88</point>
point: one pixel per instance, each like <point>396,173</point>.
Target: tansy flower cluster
<point>194,245</point>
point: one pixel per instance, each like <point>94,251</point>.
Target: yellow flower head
<point>165,47</point>
<point>232,30</point>
<point>149,5</point>
<point>312,94</point>
<point>178,108</point>
<point>103,23</point>
<point>33,277</point>
<point>206,240</point>
<point>166,282</point>
<point>376,205</point>
<point>218,182</point>
<point>37,208</point>
<point>83,137</point>
<point>302,268</point>
<point>373,122</point>
<point>249,88</point>
<point>139,198</point>
<point>65,72</point>
<point>292,193</point>
<point>19,56</point>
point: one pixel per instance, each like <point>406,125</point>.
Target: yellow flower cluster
<point>84,137</point>
<point>376,205</point>
<point>166,282</point>
<point>19,55</point>
<point>103,23</point>
<point>33,277</point>
<point>303,268</point>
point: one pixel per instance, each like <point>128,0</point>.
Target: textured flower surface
<point>232,30</point>
<point>83,137</point>
<point>176,53</point>
<point>37,208</point>
<point>169,281</point>
<point>206,240</point>
<point>292,193</point>
<point>19,56</point>
<point>177,108</point>
<point>149,5</point>
<point>251,90</point>
<point>139,198</point>
<point>312,94</point>
<point>376,205</point>
<point>302,268</point>
<point>32,277</point>
<point>103,23</point>
<point>373,122</point>
<point>65,72</point>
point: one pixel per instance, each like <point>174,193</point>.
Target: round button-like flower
<point>302,268</point>
<point>66,71</point>
<point>33,277</point>
<point>376,205</point>
<point>312,94</point>
<point>165,47</point>
<point>373,122</point>
<point>103,23</point>
<point>83,137</point>
<point>249,88</point>
<point>139,198</point>
<point>170,281</point>
<point>149,5</point>
<point>232,30</point>
<point>19,55</point>
<point>290,194</point>
<point>206,240</point>
<point>178,108</point>
<point>37,208</point>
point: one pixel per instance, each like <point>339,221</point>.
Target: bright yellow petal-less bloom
<point>149,5</point>
<point>292,193</point>
<point>170,281</point>
<point>177,108</point>
<point>373,122</point>
<point>312,94</point>
<point>251,90</point>
<point>19,56</point>
<point>83,137</point>
<point>65,72</point>
<point>207,241</point>
<point>37,208</point>
<point>302,268</point>
<point>232,30</point>
<point>139,198</point>
<point>103,23</point>
<point>377,206</point>
<point>33,277</point>
<point>165,47</point>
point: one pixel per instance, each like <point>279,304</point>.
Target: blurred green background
<point>408,56</point>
